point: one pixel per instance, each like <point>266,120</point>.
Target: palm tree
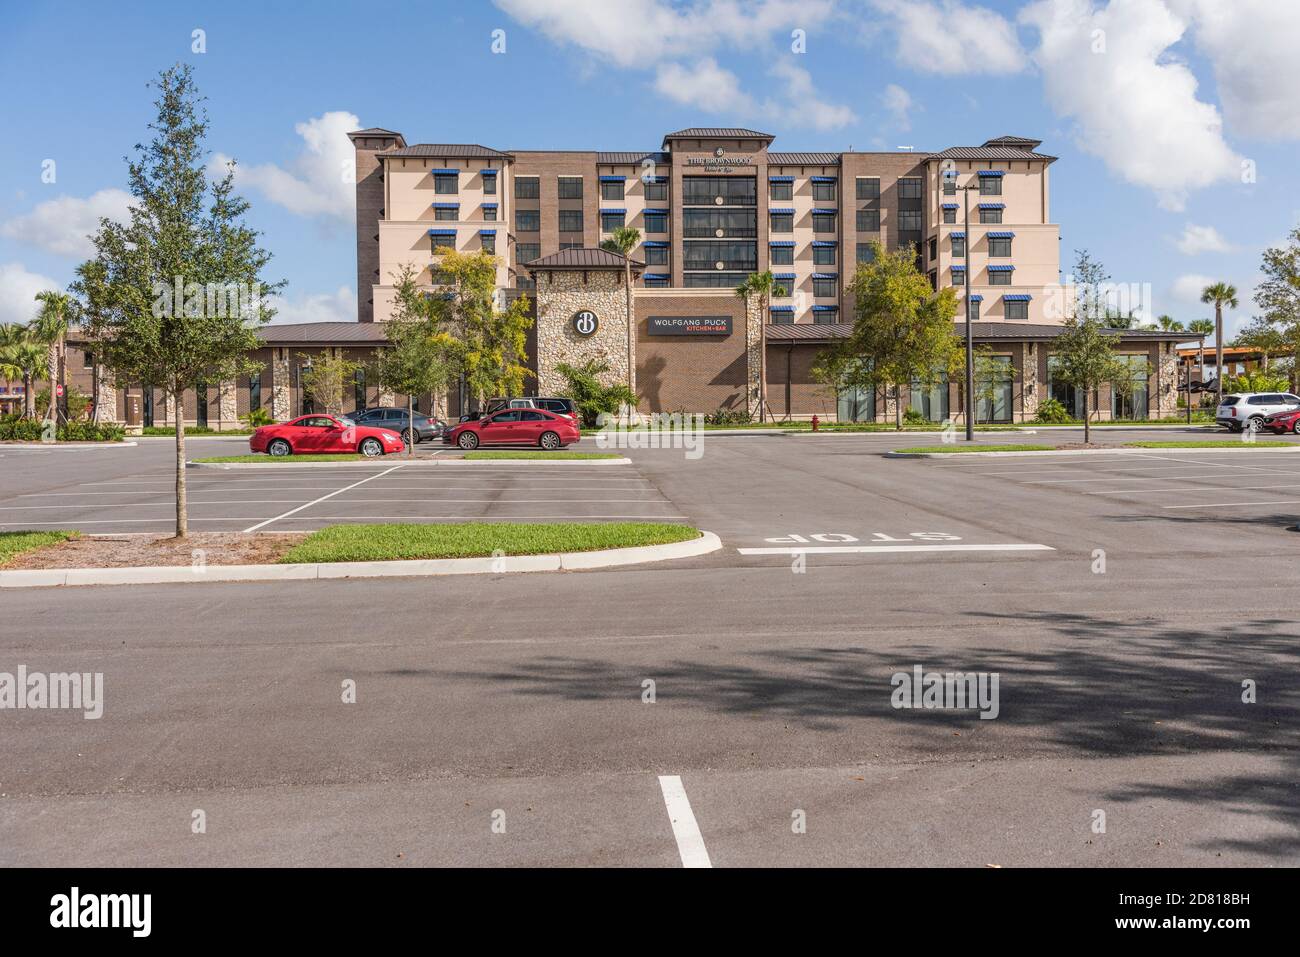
<point>1169,324</point>
<point>623,241</point>
<point>1221,294</point>
<point>22,358</point>
<point>49,327</point>
<point>1202,328</point>
<point>765,286</point>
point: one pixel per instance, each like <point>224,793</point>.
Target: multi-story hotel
<point>712,205</point>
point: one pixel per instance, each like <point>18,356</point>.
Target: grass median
<point>552,456</point>
<point>1211,444</point>
<point>956,449</point>
<point>13,544</point>
<point>292,459</point>
<point>374,543</point>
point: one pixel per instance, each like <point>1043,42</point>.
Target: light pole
<point>950,174</point>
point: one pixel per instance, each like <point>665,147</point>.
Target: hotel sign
<point>688,325</point>
<point>721,164</point>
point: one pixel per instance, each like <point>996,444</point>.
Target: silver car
<point>1247,410</point>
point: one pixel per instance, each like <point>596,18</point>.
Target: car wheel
<point>1254,422</point>
<point>406,437</point>
<point>371,447</point>
<point>549,441</point>
<point>1295,426</point>
<point>468,441</point>
<point>279,448</point>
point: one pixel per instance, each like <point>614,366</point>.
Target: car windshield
<point>1231,399</point>
<point>347,423</point>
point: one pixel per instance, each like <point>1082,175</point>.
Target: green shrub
<point>728,417</point>
<point>590,395</point>
<point>256,418</point>
<point>913,417</point>
<point>14,429</point>
<point>1052,411</point>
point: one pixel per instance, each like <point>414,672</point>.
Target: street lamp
<point>950,176</point>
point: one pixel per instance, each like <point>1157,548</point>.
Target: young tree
<point>623,240</point>
<point>903,330</point>
<point>1279,295</point>
<point>50,326</point>
<point>1221,294</point>
<point>589,394</point>
<point>21,357</point>
<point>1262,336</point>
<point>765,286</point>
<point>422,356</point>
<point>1090,279</point>
<point>494,341</point>
<point>1085,358</point>
<point>326,380</point>
<point>158,291</point>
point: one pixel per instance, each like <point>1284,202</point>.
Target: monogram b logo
<point>585,322</point>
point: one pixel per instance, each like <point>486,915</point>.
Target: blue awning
<point>782,308</point>
<point>950,206</point>
<point>958,234</point>
<point>655,243</point>
<point>825,212</point>
<point>976,298</point>
<point>958,267</point>
<point>445,172</point>
<point>993,205</point>
<point>781,242</point>
<point>780,179</point>
<point>826,308</point>
<point>825,242</point>
<point>826,275</point>
<point>656,212</point>
<point>656,275</point>
<point>489,205</point>
<point>822,179</point>
<point>1001,268</point>
<point>489,172</point>
<point>1001,235</point>
<point>606,209</point>
<point>487,232</point>
<point>991,172</point>
<point>657,180</point>
<point>612,179</point>
<point>783,275</point>
<point>782,211</point>
<point>442,232</point>
<point>446,205</point>
<point>1018,297</point>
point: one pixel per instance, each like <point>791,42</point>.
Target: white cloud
<point>338,306</point>
<point>803,103</point>
<point>1136,108</point>
<point>1201,239</point>
<point>1188,288</point>
<point>951,38</point>
<point>703,84</point>
<point>18,289</point>
<point>899,104</point>
<point>63,226</point>
<point>1251,44</point>
<point>319,182</point>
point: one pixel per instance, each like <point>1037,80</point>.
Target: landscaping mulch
<point>124,551</point>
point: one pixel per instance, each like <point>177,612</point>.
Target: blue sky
<point>1172,119</point>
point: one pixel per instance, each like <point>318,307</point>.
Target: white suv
<point>1248,409</point>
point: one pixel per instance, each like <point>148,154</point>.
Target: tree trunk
<point>182,517</point>
<point>762,359</point>
<point>52,370</point>
<point>29,400</point>
<point>898,407</point>
<point>1087,432</point>
<point>1218,352</point>
<point>410,425</point>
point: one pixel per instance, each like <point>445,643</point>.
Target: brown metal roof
<point>803,159</point>
<point>323,333</point>
<point>1023,141</point>
<point>718,132</point>
<point>809,331</point>
<point>983,330</point>
<point>459,150</point>
<point>374,131</point>
<point>631,159</point>
<point>582,259</point>
<point>991,153</point>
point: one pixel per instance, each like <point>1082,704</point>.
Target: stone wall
<point>280,386</point>
<point>1166,381</point>
<point>1031,388</point>
<point>754,319</point>
<point>560,294</point>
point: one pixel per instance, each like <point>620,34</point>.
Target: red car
<point>1282,422</point>
<point>516,427</point>
<point>323,434</point>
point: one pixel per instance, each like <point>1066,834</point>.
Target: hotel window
<point>826,315</point>
<point>934,279</point>
<point>611,189</point>
<point>255,392</point>
<point>734,190</point>
<point>991,216</point>
<point>824,191</point>
<point>527,252</point>
<point>656,255</point>
<point>781,317</point>
<point>564,246</point>
<point>489,184</point>
<point>868,187</point>
<point>949,186</point>
<point>934,249</point>
<point>87,360</point>
<point>706,223</point>
<point>656,221</point>
<point>713,280</point>
<point>999,245</point>
<point>959,247</point>
<point>528,220</point>
<point>909,187</point>
<point>527,187</point>
<point>656,282</point>
<point>358,390</point>
<point>570,220</point>
<point>489,242</point>
<point>1000,277</point>
<point>868,220</point>
<point>824,222</point>
<point>439,278</point>
<point>990,185</point>
<point>611,221</point>
<point>489,214</point>
<point>823,255</point>
<point>1015,309</point>
<point>733,255</point>
<point>909,220</point>
<point>782,222</point>
<point>824,288</point>
<point>785,286</point>
<point>446,214</point>
<point>782,255</point>
<point>445,183</point>
<point>866,253</point>
<point>570,187</point>
<point>780,191</point>
<point>974,310</point>
<point>950,216</point>
<point>656,192</point>
<point>443,242</point>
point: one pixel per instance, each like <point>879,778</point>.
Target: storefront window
<point>993,385</point>
<point>1063,392</point>
<point>1130,396</point>
<point>931,399</point>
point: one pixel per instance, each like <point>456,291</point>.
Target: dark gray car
<point>387,417</point>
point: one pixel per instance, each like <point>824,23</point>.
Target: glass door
<point>1130,397</point>
<point>1063,392</point>
<point>993,390</point>
<point>856,405</point>
<point>931,400</point>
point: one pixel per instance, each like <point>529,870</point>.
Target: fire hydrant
<point>815,422</point>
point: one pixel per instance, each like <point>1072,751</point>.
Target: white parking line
<point>834,549</point>
<point>461,517</point>
<point>1291,501</point>
<point>690,842</point>
<point>1207,488</point>
<point>1141,478</point>
<point>293,511</point>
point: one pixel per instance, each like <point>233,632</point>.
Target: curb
<point>170,574</point>
<point>888,432</point>
<point>383,460</point>
<point>51,446</point>
<point>1116,449</point>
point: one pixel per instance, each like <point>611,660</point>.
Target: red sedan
<point>1282,422</point>
<point>323,434</point>
<point>516,427</point>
